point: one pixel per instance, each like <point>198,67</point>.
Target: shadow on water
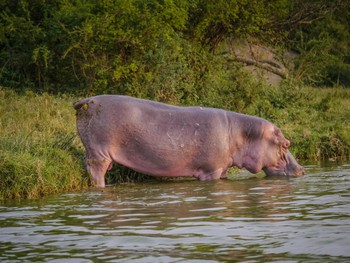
<point>302,219</point>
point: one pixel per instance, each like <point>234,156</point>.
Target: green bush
<point>89,47</point>
<point>324,46</point>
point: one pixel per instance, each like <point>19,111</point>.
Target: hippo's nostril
<point>286,144</point>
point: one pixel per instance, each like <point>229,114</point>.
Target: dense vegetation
<point>133,46</point>
<point>53,52</point>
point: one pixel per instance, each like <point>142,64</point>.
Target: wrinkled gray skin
<point>163,140</point>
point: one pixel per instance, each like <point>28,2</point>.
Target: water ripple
<point>255,220</point>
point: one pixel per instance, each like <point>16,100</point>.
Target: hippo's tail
<point>81,103</point>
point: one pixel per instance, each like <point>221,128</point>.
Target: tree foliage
<point>161,48</point>
<point>323,41</point>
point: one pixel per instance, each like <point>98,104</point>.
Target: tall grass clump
<point>39,149</point>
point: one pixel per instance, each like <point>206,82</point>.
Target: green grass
<point>41,153</point>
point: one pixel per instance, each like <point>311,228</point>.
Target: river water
<point>304,219</point>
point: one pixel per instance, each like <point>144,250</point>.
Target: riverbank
<point>41,152</point>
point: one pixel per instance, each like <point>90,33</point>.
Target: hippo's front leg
<point>224,175</point>
<point>217,174</point>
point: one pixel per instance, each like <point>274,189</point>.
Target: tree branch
<point>266,65</point>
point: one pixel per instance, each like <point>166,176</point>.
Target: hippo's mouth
<point>275,171</point>
<point>301,171</point>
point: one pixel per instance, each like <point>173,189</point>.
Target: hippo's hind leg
<point>97,169</point>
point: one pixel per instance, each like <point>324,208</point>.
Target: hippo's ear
<point>280,140</point>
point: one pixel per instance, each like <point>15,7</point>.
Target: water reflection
<point>257,220</point>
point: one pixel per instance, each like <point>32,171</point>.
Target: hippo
<point>158,139</point>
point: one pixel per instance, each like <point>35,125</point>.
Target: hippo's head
<point>279,160</point>
<point>270,153</point>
